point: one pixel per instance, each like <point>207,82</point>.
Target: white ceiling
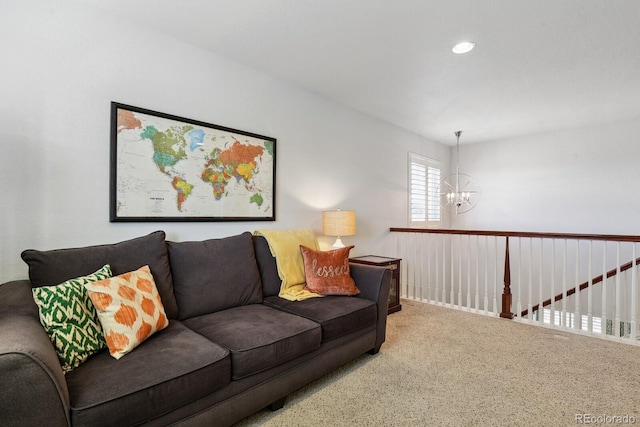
<point>539,65</point>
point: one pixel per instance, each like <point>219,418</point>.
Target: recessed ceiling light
<point>463,47</point>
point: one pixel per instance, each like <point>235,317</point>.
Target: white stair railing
<point>579,283</point>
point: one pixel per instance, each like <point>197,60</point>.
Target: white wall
<point>64,62</point>
<point>576,181</point>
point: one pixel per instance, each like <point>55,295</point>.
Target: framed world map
<point>168,168</point>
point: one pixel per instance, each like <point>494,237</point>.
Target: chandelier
<point>459,193</point>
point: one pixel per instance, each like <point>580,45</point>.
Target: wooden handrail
<point>532,234</point>
<point>582,286</point>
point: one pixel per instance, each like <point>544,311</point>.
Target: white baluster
<point>477,301</point>
<point>445,238</point>
<point>540,292</point>
<point>634,286</point>
<point>590,291</point>
<point>453,276</point>
<point>495,276</point>
<point>410,264</point>
<point>428,272</point>
<point>624,308</point>
<point>417,287</point>
<point>418,270</point>
<point>616,308</point>
<point>603,310</point>
<point>519,280</point>
<point>530,284</point>
<point>564,284</point>
<point>459,271</point>
<point>468,272</point>
<point>552,306</point>
<point>577,316</point>
<point>436,295</point>
<point>404,275</point>
<point>421,266</point>
<point>486,274</point>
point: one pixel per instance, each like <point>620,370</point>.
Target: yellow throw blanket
<point>285,247</point>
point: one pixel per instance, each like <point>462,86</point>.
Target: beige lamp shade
<point>339,223</point>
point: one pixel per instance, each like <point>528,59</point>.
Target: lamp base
<point>338,244</point>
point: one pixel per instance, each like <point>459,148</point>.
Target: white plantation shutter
<point>433,195</point>
<point>424,200</point>
<point>417,193</point>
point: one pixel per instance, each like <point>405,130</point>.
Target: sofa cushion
<point>56,266</point>
<point>338,315</point>
<point>271,281</point>
<point>171,369</point>
<point>129,309</point>
<point>214,275</point>
<point>258,337</point>
<point>327,272</point>
<point>70,319</point>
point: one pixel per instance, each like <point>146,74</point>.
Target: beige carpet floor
<point>444,367</point>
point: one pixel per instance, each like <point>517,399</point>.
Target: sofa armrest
<point>374,283</point>
<point>34,389</point>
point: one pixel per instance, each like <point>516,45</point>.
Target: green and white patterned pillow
<point>70,319</point>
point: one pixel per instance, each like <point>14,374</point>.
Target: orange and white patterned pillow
<point>129,309</point>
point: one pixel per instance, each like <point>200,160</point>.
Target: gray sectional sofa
<point>232,347</point>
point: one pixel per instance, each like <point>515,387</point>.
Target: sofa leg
<point>278,404</point>
<point>375,350</point>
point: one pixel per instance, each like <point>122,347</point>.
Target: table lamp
<point>339,223</point>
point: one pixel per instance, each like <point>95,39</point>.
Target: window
<point>424,183</point>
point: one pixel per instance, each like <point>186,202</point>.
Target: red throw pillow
<point>327,272</point>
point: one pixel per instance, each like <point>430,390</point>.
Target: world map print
<point>167,168</point>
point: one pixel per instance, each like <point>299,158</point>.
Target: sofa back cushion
<point>56,266</point>
<point>214,275</point>
<point>268,267</point>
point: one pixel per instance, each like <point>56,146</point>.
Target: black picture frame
<point>167,168</point>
